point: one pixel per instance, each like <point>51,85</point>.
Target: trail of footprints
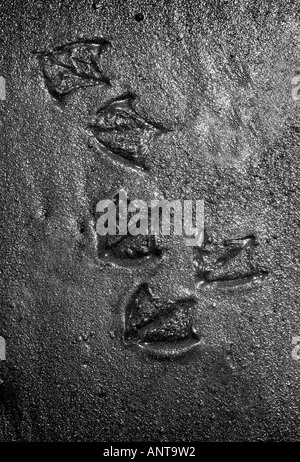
<point>121,131</point>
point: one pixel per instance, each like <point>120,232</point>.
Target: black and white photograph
<point>150,224</point>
